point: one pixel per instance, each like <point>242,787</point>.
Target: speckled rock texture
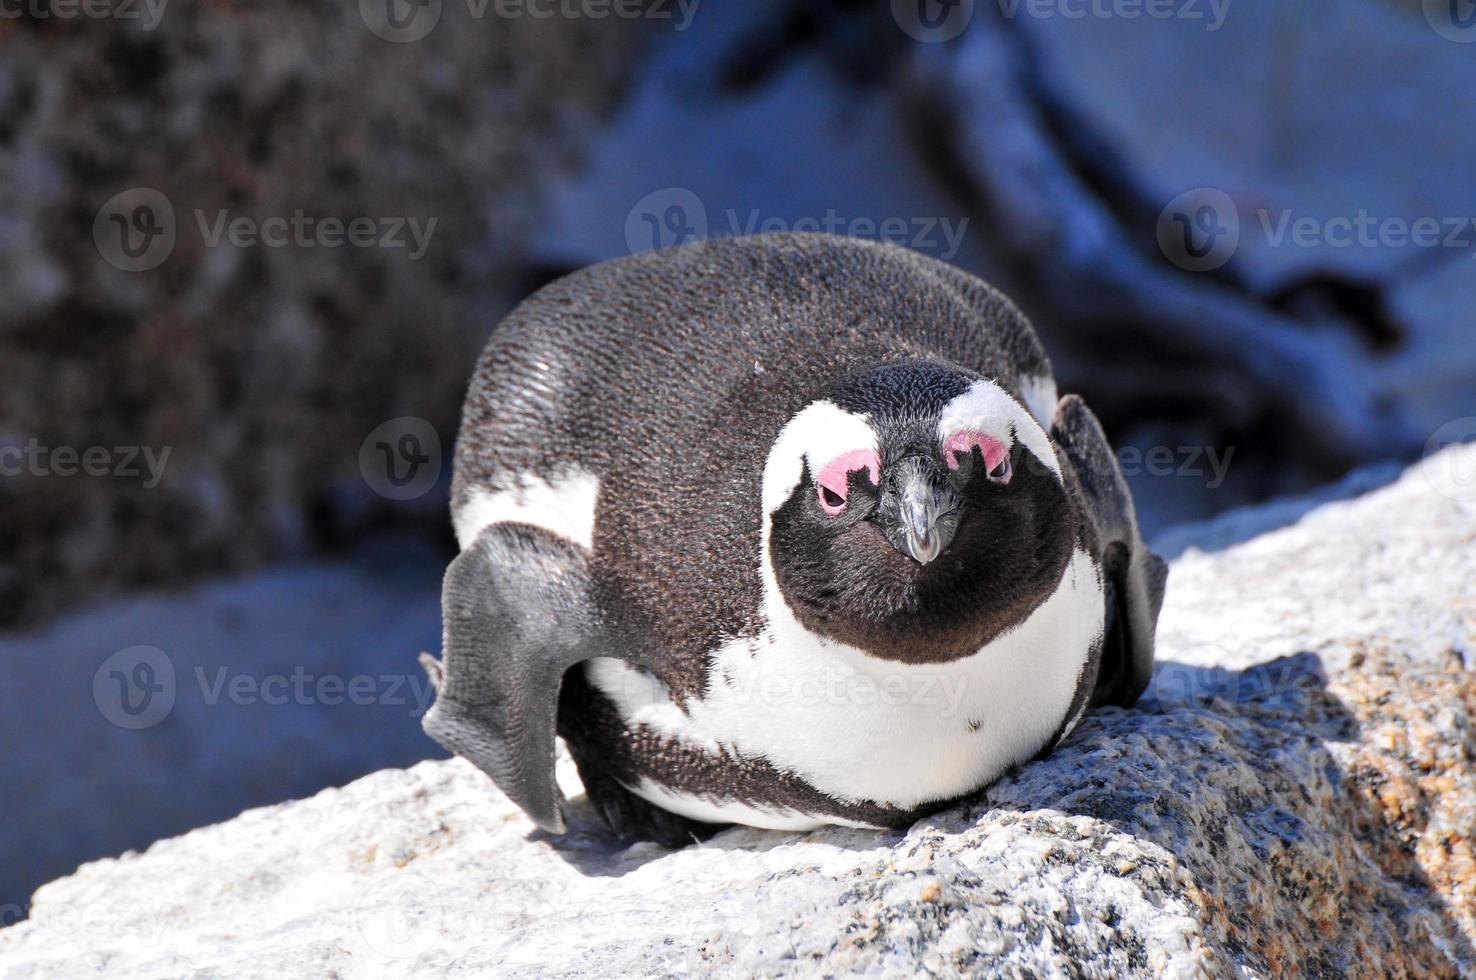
<point>261,367</point>
<point>1294,796</point>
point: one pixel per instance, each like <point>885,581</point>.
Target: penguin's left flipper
<point>518,611</point>
<point>1135,576</point>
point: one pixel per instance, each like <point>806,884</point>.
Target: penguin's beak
<point>926,511</point>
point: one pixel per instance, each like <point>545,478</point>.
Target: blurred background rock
<point>1046,152</point>
<point>262,367</point>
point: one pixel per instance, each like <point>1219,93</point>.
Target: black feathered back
<point>669,375</point>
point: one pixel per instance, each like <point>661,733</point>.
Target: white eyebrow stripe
<point>988,408</point>
<point>817,434</point>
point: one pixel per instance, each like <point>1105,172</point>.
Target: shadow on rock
<point>591,847</point>
<point>1317,827</point>
<point>1270,818</point>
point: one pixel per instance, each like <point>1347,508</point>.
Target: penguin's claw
<point>629,816</point>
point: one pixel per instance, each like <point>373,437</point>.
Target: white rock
<point>1242,822</point>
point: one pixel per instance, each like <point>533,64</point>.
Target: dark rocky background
<point>1060,146</point>
<point>262,368</point>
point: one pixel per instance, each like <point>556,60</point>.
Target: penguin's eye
<point>833,485</point>
<point>959,449</point>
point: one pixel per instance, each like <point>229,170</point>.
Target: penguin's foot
<point>630,816</point>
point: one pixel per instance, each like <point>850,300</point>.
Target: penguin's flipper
<point>517,611</point>
<point>1134,575</point>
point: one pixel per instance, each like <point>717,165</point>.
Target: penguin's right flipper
<point>1135,576</point>
<point>518,611</point>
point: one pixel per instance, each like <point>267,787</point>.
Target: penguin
<point>786,530</point>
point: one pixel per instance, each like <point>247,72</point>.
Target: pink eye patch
<point>833,483</point>
<point>965,441</point>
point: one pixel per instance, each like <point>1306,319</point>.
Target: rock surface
<point>271,686</point>
<point>1276,108</point>
<point>1295,793</point>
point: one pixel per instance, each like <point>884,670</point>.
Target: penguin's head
<point>915,511</point>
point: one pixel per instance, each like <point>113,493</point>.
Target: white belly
<point>860,728</point>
